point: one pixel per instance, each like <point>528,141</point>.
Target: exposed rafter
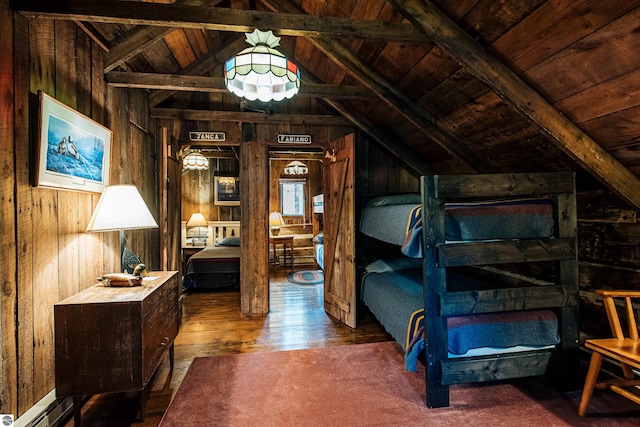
<point>382,137</point>
<point>181,82</point>
<point>388,93</point>
<point>220,19</point>
<point>567,136</point>
<point>132,43</point>
<point>238,116</point>
<point>202,66</point>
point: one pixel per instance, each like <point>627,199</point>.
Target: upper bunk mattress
<point>503,219</point>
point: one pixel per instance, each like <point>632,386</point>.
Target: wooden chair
<point>623,349</point>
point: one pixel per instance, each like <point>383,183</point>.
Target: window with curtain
<point>292,197</point>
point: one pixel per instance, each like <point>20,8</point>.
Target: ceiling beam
<point>388,93</point>
<point>238,116</point>
<point>389,142</point>
<point>216,18</point>
<point>204,64</point>
<point>132,43</point>
<point>181,82</point>
<point>90,30</point>
<point>562,131</point>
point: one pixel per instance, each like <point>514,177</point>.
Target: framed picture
<point>226,191</point>
<point>73,151</point>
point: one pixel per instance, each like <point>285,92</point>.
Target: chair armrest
<point>618,293</point>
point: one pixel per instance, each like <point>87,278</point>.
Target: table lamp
<point>198,221</point>
<point>275,221</point>
<point>120,208</point>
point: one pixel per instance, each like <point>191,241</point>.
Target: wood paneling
<point>46,248</point>
<point>8,268</point>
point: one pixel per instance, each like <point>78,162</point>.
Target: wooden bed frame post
<point>560,363</point>
<point>436,328</point>
<point>564,369</point>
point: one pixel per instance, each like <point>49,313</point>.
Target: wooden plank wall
<point>377,173</point>
<point>198,194</point>
<point>609,254</point>
<point>8,206</point>
<point>45,255</point>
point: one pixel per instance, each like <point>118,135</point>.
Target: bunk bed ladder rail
<point>439,304</point>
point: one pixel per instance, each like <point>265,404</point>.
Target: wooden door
<point>339,230</point>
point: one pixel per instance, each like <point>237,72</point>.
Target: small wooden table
<point>284,241</point>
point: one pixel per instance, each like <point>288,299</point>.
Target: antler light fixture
<point>261,72</point>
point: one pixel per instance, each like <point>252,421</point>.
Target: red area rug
<point>306,277</point>
<point>365,385</point>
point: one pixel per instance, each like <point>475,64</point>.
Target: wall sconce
<point>275,221</point>
<point>262,72</point>
<point>120,208</point>
<point>199,222</point>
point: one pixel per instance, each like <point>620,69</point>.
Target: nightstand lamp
<point>199,222</point>
<point>120,208</point>
<point>275,221</point>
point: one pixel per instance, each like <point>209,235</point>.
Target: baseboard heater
<point>48,412</point>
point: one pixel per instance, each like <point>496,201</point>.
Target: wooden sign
<point>207,136</point>
<point>294,139</point>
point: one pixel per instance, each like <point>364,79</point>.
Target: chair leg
<point>590,382</point>
<point>627,370</point>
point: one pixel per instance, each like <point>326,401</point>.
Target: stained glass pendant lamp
<point>195,161</point>
<point>261,72</point>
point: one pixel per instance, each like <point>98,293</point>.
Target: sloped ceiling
<point>452,87</point>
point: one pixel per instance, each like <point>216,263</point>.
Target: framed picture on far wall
<point>73,151</point>
<point>226,191</point>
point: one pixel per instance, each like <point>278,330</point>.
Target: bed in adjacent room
<point>481,322</point>
<point>216,266</point>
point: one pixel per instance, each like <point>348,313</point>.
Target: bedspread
<point>513,219</point>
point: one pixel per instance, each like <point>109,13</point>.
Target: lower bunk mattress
<point>396,299</point>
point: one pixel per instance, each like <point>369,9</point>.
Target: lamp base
<point>275,230</point>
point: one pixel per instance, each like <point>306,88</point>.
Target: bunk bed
<point>217,265</point>
<point>462,293</point>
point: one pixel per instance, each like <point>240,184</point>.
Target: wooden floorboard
<point>212,325</point>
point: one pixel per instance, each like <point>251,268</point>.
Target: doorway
<point>295,226</point>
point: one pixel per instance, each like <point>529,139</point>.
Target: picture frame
<point>73,151</point>
<point>225,192</point>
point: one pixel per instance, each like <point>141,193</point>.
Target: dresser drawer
<point>159,329</point>
<point>160,294</point>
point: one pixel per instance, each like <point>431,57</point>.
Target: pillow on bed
<point>393,264</point>
<point>229,241</point>
<point>397,199</point>
<point>319,238</point>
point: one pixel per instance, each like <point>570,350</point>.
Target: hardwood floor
<point>212,325</point>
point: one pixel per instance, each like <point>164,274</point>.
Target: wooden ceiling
<point>451,86</point>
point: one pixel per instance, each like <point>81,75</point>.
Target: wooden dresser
<point>112,339</point>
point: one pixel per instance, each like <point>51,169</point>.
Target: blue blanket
<point>513,219</point>
<point>534,328</point>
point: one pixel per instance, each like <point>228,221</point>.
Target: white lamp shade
<point>275,219</point>
<point>121,207</point>
<point>195,161</point>
<point>197,220</point>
